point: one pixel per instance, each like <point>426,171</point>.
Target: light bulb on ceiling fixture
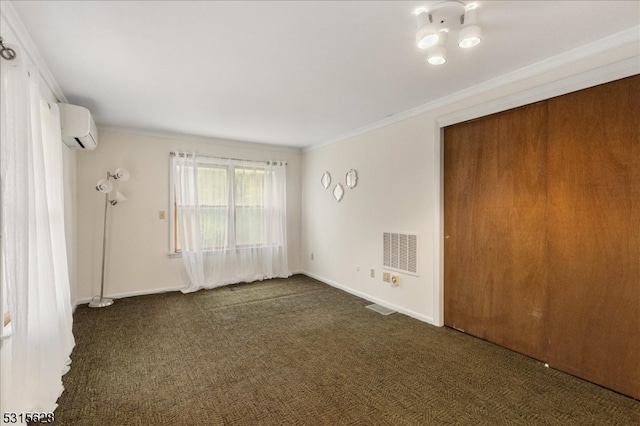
<point>427,34</point>
<point>437,55</point>
<point>427,39</point>
<point>470,35</point>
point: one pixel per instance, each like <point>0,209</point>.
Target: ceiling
<point>283,72</point>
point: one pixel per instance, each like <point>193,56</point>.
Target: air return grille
<point>400,252</point>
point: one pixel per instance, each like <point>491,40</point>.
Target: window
<point>249,206</point>
<point>230,200</point>
<point>213,202</point>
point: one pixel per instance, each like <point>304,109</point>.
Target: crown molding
<point>568,84</point>
<point>9,13</point>
<point>624,47</point>
<point>181,137</point>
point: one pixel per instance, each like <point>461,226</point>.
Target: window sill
<point>237,249</point>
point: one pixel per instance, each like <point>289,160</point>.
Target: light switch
<point>162,214</point>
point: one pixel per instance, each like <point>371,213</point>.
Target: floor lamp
<point>105,186</point>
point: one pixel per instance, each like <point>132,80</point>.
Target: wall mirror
<point>351,179</point>
<point>325,180</point>
<point>338,192</point>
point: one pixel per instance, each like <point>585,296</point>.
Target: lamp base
<point>100,302</point>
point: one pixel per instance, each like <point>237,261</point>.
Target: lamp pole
<point>105,186</point>
<point>101,302</point>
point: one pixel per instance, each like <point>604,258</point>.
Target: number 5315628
<point>28,417</point>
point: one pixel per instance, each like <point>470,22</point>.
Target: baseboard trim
<point>85,300</point>
<point>408,312</point>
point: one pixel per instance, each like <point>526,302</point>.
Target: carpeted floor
<point>298,352</point>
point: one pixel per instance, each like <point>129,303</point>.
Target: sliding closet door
<point>494,211</point>
<point>594,234</point>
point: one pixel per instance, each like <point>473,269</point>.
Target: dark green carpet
<point>298,352</point>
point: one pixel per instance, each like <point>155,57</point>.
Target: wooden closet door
<point>494,214</point>
<point>594,234</point>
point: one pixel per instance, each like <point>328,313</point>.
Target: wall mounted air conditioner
<point>78,128</point>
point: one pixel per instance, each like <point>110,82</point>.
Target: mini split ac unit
<point>78,128</point>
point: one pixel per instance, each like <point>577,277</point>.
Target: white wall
<point>138,241</point>
<point>394,193</point>
<point>400,185</point>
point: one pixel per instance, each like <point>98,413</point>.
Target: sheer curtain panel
<point>231,219</point>
<point>37,344</point>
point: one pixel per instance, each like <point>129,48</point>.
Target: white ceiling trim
<point>572,83</point>
<point>625,43</point>
<point>24,39</point>
<point>179,137</point>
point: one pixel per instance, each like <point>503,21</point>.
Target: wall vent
<point>400,252</point>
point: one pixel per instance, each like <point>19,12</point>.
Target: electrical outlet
<point>395,280</point>
<point>386,277</point>
<point>372,272</point>
<point>357,268</point>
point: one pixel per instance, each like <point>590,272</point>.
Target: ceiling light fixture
<point>436,21</point>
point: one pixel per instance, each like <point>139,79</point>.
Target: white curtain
<point>231,219</point>
<point>37,345</point>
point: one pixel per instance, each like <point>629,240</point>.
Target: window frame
<point>174,249</point>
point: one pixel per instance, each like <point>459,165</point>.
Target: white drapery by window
<point>231,220</point>
<point>35,279</point>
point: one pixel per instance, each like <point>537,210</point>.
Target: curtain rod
<point>188,154</point>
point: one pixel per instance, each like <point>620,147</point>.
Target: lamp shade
<point>121,174</point>
<point>104,186</point>
<point>427,36</point>
<point>119,198</point>
<point>437,55</point>
<point>469,36</point>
